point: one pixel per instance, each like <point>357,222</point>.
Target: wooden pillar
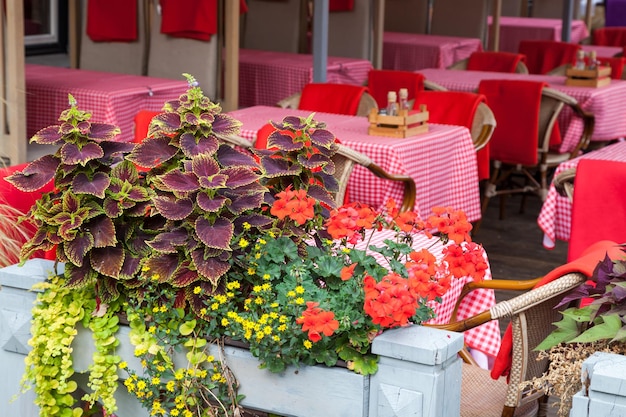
<point>495,24</point>
<point>231,56</point>
<point>379,29</point>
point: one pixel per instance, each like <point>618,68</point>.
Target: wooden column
<point>495,25</point>
<point>231,56</point>
<point>379,29</point>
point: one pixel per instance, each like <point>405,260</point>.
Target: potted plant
<point>195,243</point>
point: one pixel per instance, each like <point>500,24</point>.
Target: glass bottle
<point>580,60</point>
<point>392,103</point>
<point>403,94</point>
<point>593,60</point>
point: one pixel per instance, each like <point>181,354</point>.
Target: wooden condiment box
<point>407,123</point>
<point>596,77</point>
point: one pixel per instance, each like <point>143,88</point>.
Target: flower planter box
<point>419,372</point>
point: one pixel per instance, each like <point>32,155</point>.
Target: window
<point>45,26</point>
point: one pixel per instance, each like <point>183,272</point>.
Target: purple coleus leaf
<point>313,161</point>
<point>206,169</point>
<point>283,142</point>
<point>77,249</point>
<point>321,194</point>
<point>238,177</point>
<point>228,156</point>
<point>178,181</point>
<point>329,167</point>
<point>50,135</point>
<point>131,266</point>
<point>168,242</point>
<point>210,204</point>
<point>183,276</point>
<point>173,209</point>
<point>192,146</point>
<point>103,231</point>
<point>162,266</point>
<point>210,268</point>
<point>96,186</point>
<point>78,277</point>
<point>35,175</point>
<point>71,154</point>
<point>112,148</point>
<point>107,261</point>
<point>164,122</point>
<point>225,125</point>
<point>295,122</point>
<point>322,137</point>
<point>330,182</point>
<point>275,167</point>
<point>242,203</point>
<point>125,171</point>
<point>112,208</point>
<point>152,152</point>
<point>215,235</point>
<point>99,132</point>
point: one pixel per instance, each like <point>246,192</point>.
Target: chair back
<point>105,53</point>
<point>275,26</point>
<point>461,18</point>
<point>142,124</point>
<point>408,16</point>
<point>609,36</point>
<point>350,33</point>
<point>380,82</point>
<point>616,64</point>
<point>331,98</point>
<point>492,61</point>
<point>543,56</point>
<point>171,56</point>
<point>598,206</point>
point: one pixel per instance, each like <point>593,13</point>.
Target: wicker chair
<point>531,316</point>
<point>535,175</point>
<point>345,159</point>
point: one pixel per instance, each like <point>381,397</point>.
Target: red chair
<point>142,123</point>
<point>609,36</point>
<point>616,64</point>
<point>352,100</point>
<point>545,56</point>
<point>380,82</point>
<point>463,109</point>
<point>493,61</point>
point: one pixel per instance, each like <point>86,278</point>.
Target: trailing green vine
<point>49,366</point>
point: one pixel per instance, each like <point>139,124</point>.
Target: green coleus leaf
<point>605,329</point>
<point>567,329</point>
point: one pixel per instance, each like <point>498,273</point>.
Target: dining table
<point>414,51</point>
<point>266,77</point>
<point>514,29</point>
<point>556,212</point>
<point>442,161</point>
<point>607,103</point>
<point>110,97</point>
<point>603,51</point>
<point>484,340</point>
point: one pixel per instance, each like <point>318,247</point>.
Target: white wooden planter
<point>419,371</point>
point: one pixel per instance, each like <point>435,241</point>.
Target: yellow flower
<point>163,308</point>
<point>215,306</point>
<point>155,277</point>
<point>251,271</point>
<point>267,330</point>
<point>197,290</point>
<point>203,312</point>
<point>266,276</point>
<point>300,300</point>
<point>246,226</point>
<point>276,338</point>
<point>174,412</point>
<point>141,385</point>
<point>152,329</point>
<point>257,288</point>
<point>225,322</point>
<point>155,381</point>
<point>233,285</point>
<point>291,293</point>
<point>180,374</point>
<point>282,327</point>
<point>345,250</point>
<point>145,268</point>
<point>210,358</point>
<point>299,289</point>
<point>216,376</point>
<point>262,241</point>
<point>170,386</point>
<point>243,243</point>
<point>123,365</point>
<point>307,344</point>
<point>257,256</point>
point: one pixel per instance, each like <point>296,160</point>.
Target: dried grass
<point>13,234</point>
<point>563,378</point>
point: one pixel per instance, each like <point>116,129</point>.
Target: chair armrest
<point>433,86</point>
<point>564,182</point>
<point>290,102</point>
<point>588,118</point>
<point>235,140</point>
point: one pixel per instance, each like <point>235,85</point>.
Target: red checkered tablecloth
<point>555,216</point>
<point>442,161</point>
<point>414,51</point>
<point>110,97</point>
<point>266,77</point>
<point>607,103</point>
<point>515,29</point>
<point>486,337</point>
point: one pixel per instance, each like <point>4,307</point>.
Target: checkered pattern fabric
<point>110,97</point>
<point>485,338</point>
<point>413,51</point>
<point>556,212</point>
<point>442,161</point>
<point>515,29</point>
<point>606,103</point>
<point>266,77</point>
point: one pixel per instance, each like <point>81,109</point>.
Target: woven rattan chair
<point>345,159</point>
<point>532,314</point>
<point>535,176</point>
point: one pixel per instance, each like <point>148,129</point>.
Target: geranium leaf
<point>35,175</point>
<point>210,204</point>
<point>192,146</point>
<point>179,181</point>
<point>95,186</point>
<point>50,135</point>
<point>71,154</point>
<point>216,235</point>
<point>173,209</point>
<point>76,249</point>
<point>107,261</point>
<point>152,152</point>
<point>238,177</point>
<point>103,231</point>
<point>102,131</point>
